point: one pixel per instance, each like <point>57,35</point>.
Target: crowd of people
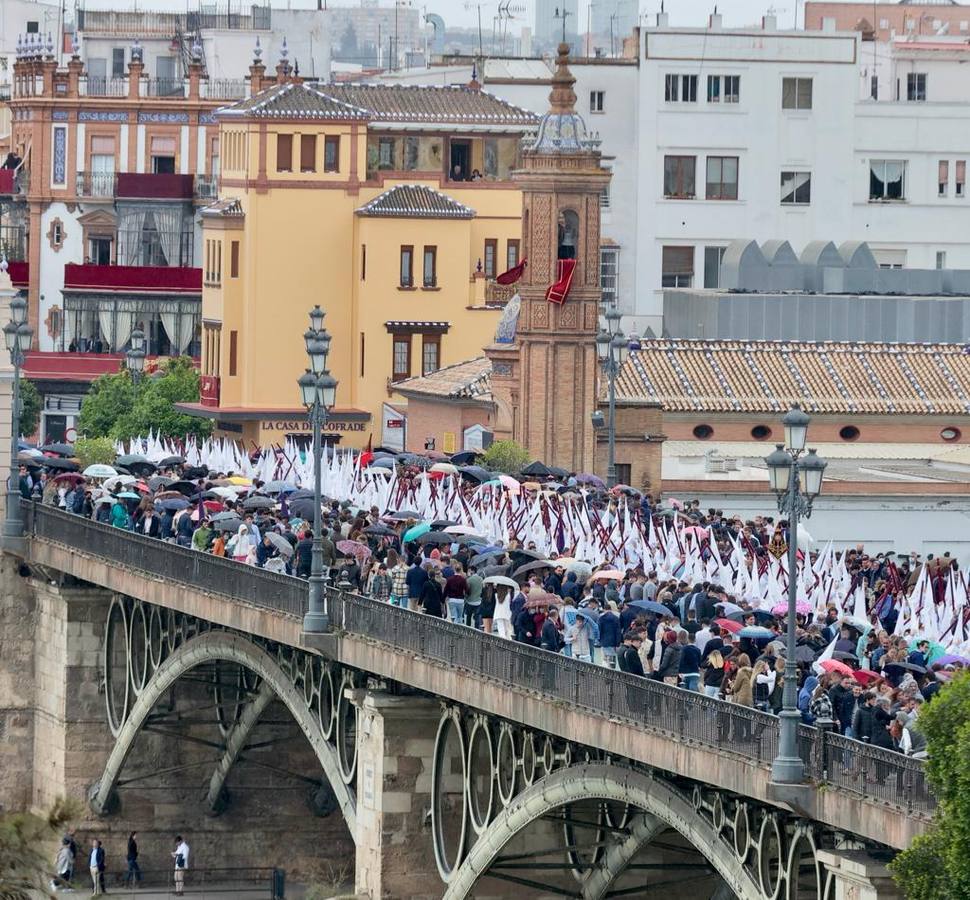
<point>870,649</point>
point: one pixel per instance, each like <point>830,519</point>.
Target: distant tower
<point>545,382</point>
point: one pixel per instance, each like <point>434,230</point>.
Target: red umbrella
<point>70,476</point>
<point>835,665</point>
<point>730,625</point>
<point>865,677</point>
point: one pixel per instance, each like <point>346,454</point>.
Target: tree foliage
<point>94,450</point>
<point>30,404</point>
<point>505,456</point>
<point>937,866</point>
<point>27,842</point>
<point>117,408</point>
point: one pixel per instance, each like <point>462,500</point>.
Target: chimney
<point>769,23</point>
<point>714,23</point>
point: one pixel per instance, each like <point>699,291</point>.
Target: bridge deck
<point>874,793</point>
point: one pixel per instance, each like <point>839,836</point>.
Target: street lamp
<point>18,336</point>
<point>796,481</point>
<point>135,357</point>
<point>611,348</point>
<point>318,391</point>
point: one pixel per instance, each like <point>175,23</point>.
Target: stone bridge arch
<point>319,718</point>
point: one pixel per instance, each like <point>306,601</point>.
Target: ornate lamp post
<point>135,357</point>
<point>611,348</point>
<point>18,336</point>
<point>318,389</point>
<point>796,481</point>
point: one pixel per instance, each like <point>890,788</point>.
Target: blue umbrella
<point>755,632</point>
<point>651,606</point>
<point>128,495</point>
<point>383,462</point>
<point>416,531</point>
<point>173,504</point>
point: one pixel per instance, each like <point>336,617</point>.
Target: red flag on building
<point>513,274</point>
<point>557,293</point>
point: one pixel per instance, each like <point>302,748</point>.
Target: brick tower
<point>545,381</point>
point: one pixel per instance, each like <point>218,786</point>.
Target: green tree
<point>116,408</point>
<point>27,845</point>
<point>94,450</point>
<point>30,404</point>
<point>505,456</point>
<point>937,866</point>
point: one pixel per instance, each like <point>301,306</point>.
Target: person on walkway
<point>472,610</point>
<point>96,866</point>
<point>713,674</point>
<point>610,635</point>
<point>181,856</point>
<point>669,659</point>
<point>455,588</point>
<point>579,638</point>
<point>432,598</point>
<point>628,656</point>
<point>503,612</point>
<point>133,875</point>
<point>550,637</point>
<point>690,661</point>
<point>63,864</point>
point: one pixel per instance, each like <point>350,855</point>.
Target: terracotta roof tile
<point>416,201</point>
<point>294,101</point>
<point>470,379</point>
<point>825,377</point>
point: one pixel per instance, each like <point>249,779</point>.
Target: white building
<point>19,17</point>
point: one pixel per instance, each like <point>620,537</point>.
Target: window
<point>943,179</point>
<point>609,270</point>
<point>796,188</point>
<point>596,101</point>
<point>234,259</point>
<point>961,178</point>
<point>680,88</point>
<point>33,26</point>
<point>624,472</point>
<point>916,86</point>
<point>407,266</point>
<point>889,258</point>
<point>430,271</point>
<point>723,88</point>
<point>401,362</point>
<point>874,87</point>
<point>712,266</point>
<point>679,176</point>
<point>941,259</point>
<point>233,348</point>
<point>430,353</point>
<point>512,253</point>
<point>284,152</point>
<point>887,179</point>
<point>722,178</point>
<point>385,153</point>
<point>163,155</point>
<point>702,432</point>
<point>412,153</point>
<point>99,251</point>
<point>950,434</point>
<point>491,251</point>
<point>331,153</point>
<point>796,93</point>
<point>849,433</point>
<point>761,432</point>
<point>605,194</point>
<point>678,267</point>
<point>308,153</point>
<point>118,62</point>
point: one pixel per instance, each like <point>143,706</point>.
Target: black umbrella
<point>905,667</point>
<point>302,508</point>
<point>436,537</point>
<point>532,567</point>
<point>380,529</point>
<point>160,481</point>
<point>227,524</point>
<point>184,487</point>
<point>439,524</point>
<point>845,657</point>
<point>172,461</point>
<point>301,494</point>
<point>258,502</point>
<point>63,465</point>
<point>527,554</point>
<point>137,465</point>
<point>487,556</point>
<point>537,470</point>
<point>126,459</point>
<point>476,473</point>
<point>493,570</point>
<point>412,459</point>
<point>464,457</point>
<point>804,654</point>
<point>196,472</point>
<point>404,514</point>
<point>59,449</point>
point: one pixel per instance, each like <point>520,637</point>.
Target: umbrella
<point>222,516</point>
<point>73,477</point>
<point>464,458</point>
<point>279,487</point>
<point>591,479</point>
<point>416,531</point>
<point>756,632</point>
<point>729,608</point>
<point>865,677</point>
<point>845,657</point>
<point>608,575</point>
<point>906,667</point>
<point>651,606</point>
<point>59,449</point>
<point>118,481</point>
<point>526,554</point>
<point>461,529</point>
<point>200,472</point>
<point>227,493</point>
<point>360,552</point>
<point>66,465</point>
<point>284,547</point>
<point>542,598</point>
<point>436,455</point>
<point>532,566</point>
<point>804,654</point>
<point>936,649</point>
<point>948,659</point>
<point>98,470</point>
<point>136,463</point>
<point>239,480</point>
<point>442,524</point>
<point>582,568</point>
<point>303,508</point>
<point>801,607</point>
<point>33,461</point>
<point>502,580</point>
<point>835,665</point>
<point>128,495</point>
<point>733,627</point>
<point>380,529</point>
<point>383,462</point>
<point>413,459</point>
<point>436,537</point>
<point>446,468</point>
<point>487,555</point>
<point>490,571</point>
<point>476,473</point>
<point>172,461</point>
<point>160,481</point>
<point>173,503</point>
<point>183,487</point>
<point>257,501</point>
<point>697,531</point>
<point>230,524</point>
<point>537,470</point>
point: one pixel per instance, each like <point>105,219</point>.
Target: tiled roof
<point>825,377</point>
<point>416,201</point>
<point>470,379</point>
<point>428,104</point>
<point>229,208</point>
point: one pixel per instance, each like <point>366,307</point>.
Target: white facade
<point>18,17</point>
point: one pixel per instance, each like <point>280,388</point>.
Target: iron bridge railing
<point>687,716</point>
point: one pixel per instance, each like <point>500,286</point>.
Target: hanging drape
<point>187,321</point>
<point>124,322</point>
<point>106,309</point>
<point>131,226</point>
<point>168,313</point>
<point>168,221</point>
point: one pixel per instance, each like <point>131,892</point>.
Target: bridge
<point>459,764</point>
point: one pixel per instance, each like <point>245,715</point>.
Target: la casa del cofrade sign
<point>291,425</point>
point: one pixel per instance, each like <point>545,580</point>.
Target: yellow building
<point>392,207</point>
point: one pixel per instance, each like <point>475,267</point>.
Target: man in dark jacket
<point>843,704</point>
<point>610,636</point>
<point>572,589</point>
<point>304,555</point>
<point>553,582</point>
<point>628,656</point>
<point>415,579</point>
<point>549,638</point>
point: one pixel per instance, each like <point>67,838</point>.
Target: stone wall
<point>639,444</point>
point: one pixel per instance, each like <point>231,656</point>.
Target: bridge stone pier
<point>175,692</point>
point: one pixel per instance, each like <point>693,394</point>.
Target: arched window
<point>567,234</point>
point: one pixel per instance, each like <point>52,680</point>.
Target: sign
<point>302,425</point>
<point>70,435</point>
<point>395,423</point>
<point>429,443</point>
<point>448,442</point>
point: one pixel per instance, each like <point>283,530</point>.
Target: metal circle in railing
<point>804,873</point>
<point>548,758</point>
<point>171,630</point>
<point>718,818</point>
<point>742,832</point>
<point>311,679</point>
<point>346,732</point>
<point>156,638</point>
<point>327,712</point>
<point>138,648</point>
<point>617,815</point>
<point>771,857</point>
<point>481,775</point>
<point>449,808</point>
<point>116,665</point>
<point>697,798</point>
<point>529,760</point>
<point>506,764</point>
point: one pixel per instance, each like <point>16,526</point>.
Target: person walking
<point>96,866</point>
<point>181,856</point>
<point>503,612</point>
<point>133,876</point>
<point>63,864</point>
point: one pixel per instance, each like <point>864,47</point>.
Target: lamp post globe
<point>795,423</point>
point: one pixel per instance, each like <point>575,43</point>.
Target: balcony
<point>102,86</point>
<point>14,182</point>
<point>498,294</point>
<point>224,88</point>
<point>206,187</point>
<point>160,279</point>
<point>174,88</point>
<point>13,242</point>
<point>209,390</point>
<point>150,186</point>
<point>94,185</point>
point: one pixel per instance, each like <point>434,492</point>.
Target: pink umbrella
<point>697,531</point>
<point>835,665</point>
<point>360,552</point>
<point>608,575</point>
<point>801,607</point>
